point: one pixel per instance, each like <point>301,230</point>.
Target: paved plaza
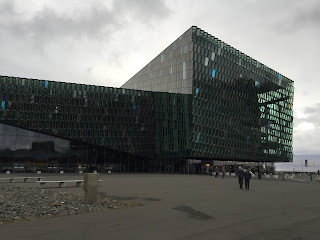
<point>183,207</point>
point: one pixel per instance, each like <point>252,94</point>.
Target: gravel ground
<point>20,204</point>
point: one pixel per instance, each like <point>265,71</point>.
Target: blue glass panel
<point>213,73</point>
<point>3,105</point>
<point>198,137</point>
<point>197,92</point>
<point>46,84</point>
<point>279,76</point>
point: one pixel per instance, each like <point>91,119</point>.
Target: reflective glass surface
<point>198,99</point>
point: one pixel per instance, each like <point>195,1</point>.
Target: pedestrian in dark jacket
<point>247,177</point>
<point>240,174</point>
<point>223,171</point>
<point>217,172</point>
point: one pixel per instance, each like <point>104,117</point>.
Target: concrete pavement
<point>185,207</point>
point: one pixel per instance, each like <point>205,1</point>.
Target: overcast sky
<point>106,42</point>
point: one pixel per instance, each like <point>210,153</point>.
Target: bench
<point>26,179</point>
<point>79,183</point>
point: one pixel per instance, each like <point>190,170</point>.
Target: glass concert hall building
<point>199,100</point>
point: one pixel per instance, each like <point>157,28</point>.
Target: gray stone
<point>90,187</point>
<point>20,203</point>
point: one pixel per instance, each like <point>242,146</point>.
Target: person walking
<point>223,171</point>
<point>240,174</point>
<point>217,172</point>
<point>247,177</point>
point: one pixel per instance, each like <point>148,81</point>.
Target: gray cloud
<point>302,16</point>
<point>308,16</point>
<point>97,22</point>
<point>312,115</point>
<point>145,10</point>
<point>48,24</point>
<point>6,7</point>
<point>312,109</point>
<point>307,130</point>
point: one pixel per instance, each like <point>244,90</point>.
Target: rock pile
<point>17,204</point>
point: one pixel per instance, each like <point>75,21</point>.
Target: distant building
<point>199,99</point>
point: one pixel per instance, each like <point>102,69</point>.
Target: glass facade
<point>106,125</point>
<point>242,110</point>
<point>198,99</point>
<point>27,151</point>
<point>170,71</point>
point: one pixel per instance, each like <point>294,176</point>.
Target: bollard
<point>95,171</point>
<point>90,187</point>
<point>7,172</point>
<point>80,172</point>
<point>61,172</point>
<point>38,172</point>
